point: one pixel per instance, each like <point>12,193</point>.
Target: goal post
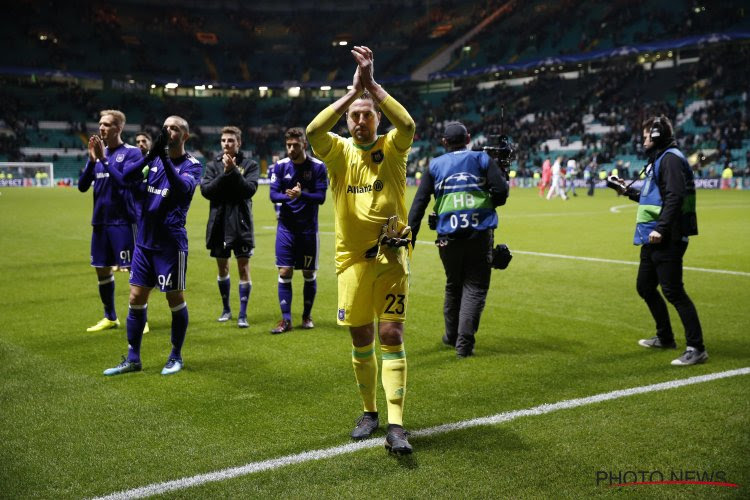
<point>27,174</point>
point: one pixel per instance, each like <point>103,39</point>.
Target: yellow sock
<point>366,373</point>
<point>394,381</point>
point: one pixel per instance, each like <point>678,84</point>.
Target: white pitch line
<point>588,259</point>
<point>616,208</point>
<point>626,262</point>
<point>275,463</point>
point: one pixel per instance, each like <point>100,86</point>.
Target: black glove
<point>157,149</point>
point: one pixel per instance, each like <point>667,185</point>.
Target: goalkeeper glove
<point>394,233</point>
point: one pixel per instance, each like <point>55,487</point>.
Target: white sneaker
<point>691,356</point>
<point>173,366</point>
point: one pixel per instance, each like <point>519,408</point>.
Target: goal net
<point>27,174</point>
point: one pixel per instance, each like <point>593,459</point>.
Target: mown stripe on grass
<point>626,262</point>
<point>592,259</point>
<point>253,467</point>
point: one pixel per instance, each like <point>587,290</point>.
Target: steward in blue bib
<point>467,185</point>
<point>666,218</point>
<point>679,220</point>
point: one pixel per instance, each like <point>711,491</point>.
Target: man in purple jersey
<point>113,219</point>
<point>230,182</point>
<point>143,141</point>
<point>160,257</point>
<point>299,184</point>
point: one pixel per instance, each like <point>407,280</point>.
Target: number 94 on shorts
<point>374,288</point>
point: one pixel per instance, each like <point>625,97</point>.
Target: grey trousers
<point>467,272</point>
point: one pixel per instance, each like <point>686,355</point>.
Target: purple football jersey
<point>301,214</point>
<point>113,202</point>
<point>164,208</point>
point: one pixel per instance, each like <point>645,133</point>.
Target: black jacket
<point>676,182</point>
<point>230,218</point>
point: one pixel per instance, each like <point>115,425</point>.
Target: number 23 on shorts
<point>394,304</point>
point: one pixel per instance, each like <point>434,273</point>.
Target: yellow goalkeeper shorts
<point>374,288</point>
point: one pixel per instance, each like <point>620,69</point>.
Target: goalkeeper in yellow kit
<point>368,182</point>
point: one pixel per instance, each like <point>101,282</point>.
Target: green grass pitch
<point>553,329</point>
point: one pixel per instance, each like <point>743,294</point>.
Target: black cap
<point>455,133</point>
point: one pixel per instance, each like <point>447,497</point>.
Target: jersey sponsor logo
<point>378,185</point>
<point>119,158</point>
<point>102,175</point>
<point>377,156</point>
<point>359,189</point>
<point>159,192</point>
<point>342,314</point>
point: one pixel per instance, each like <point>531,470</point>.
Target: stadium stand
<point>55,82</point>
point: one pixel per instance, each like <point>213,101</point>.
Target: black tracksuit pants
<point>661,264</point>
<point>467,272</point>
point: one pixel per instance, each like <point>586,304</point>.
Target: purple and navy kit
<point>297,232</point>
<point>300,215</point>
<point>164,207</point>
<point>113,203</point>
<point>297,250</point>
<point>112,245</point>
<point>160,257</point>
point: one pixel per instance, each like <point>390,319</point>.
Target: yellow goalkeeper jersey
<point>369,186</point>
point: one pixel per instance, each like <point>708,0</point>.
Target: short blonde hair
<point>118,115</point>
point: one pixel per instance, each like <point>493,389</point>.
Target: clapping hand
<point>365,66</point>
<point>96,148</point>
<point>295,192</point>
<point>357,82</point>
<point>228,162</point>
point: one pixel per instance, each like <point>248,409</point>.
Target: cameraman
<point>467,186</point>
<point>666,218</point>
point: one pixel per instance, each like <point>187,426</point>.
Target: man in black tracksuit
<point>230,181</point>
<point>666,218</point>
